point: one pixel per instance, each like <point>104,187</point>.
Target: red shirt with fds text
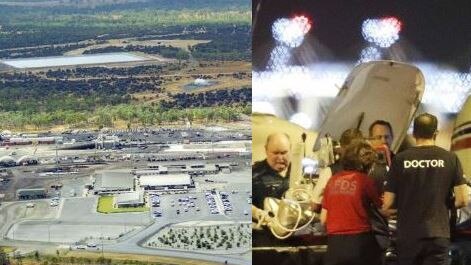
<point>346,197</point>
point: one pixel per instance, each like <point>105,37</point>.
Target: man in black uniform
<point>421,181</point>
<point>380,137</point>
<point>380,132</point>
<point>270,178</point>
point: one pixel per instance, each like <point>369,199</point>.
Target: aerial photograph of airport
<point>125,132</point>
<point>331,76</point>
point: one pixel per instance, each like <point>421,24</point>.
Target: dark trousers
<point>358,249</point>
<point>424,251</point>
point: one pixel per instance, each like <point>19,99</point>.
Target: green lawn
<point>105,205</point>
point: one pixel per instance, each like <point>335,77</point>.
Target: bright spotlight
<point>263,107</point>
<point>301,119</point>
<point>290,32</point>
<point>310,166</point>
<point>279,58</point>
<point>370,54</point>
<point>383,32</point>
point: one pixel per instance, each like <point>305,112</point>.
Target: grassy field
<point>105,205</point>
<point>135,18</point>
<point>182,44</point>
<point>7,249</point>
<point>90,258</point>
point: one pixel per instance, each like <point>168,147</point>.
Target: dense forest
<point>164,50</point>
<point>228,42</point>
<point>82,72</point>
<point>99,96</point>
<point>28,99</point>
<point>50,50</point>
<point>108,116</point>
<point>209,99</point>
<point>66,7</point>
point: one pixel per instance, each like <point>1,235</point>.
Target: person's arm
<point>323,216</point>
<point>390,189</point>
<point>388,202</point>
<point>372,192</point>
<point>461,196</point>
<point>318,192</point>
<point>258,214</point>
<point>255,213</point>
<point>460,188</point>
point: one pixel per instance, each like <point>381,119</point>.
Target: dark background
<point>437,31</point>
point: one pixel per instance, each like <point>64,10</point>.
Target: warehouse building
<point>166,182</point>
<point>129,199</point>
<point>30,194</point>
<point>113,182</point>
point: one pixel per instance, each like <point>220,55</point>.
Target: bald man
<point>270,177</point>
<point>421,180</point>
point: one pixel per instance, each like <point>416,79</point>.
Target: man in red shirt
<point>347,197</point>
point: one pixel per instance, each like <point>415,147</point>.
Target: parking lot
<point>68,215</point>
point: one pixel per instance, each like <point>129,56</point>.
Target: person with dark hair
<point>346,138</point>
<point>347,197</point>
<point>380,132</point>
<point>349,135</point>
<point>380,136</point>
<point>421,181</point>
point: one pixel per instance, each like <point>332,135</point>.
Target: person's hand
<point>315,207</point>
<point>389,213</point>
<point>263,218</point>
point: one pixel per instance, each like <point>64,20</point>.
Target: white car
<point>91,245</point>
<point>30,205</point>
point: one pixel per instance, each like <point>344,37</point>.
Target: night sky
<point>437,31</point>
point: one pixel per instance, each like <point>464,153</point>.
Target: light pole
<point>102,244</point>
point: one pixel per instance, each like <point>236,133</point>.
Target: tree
<point>4,259</point>
<point>182,55</point>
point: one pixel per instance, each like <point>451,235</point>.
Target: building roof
<point>129,197</point>
<point>165,180</point>
<point>150,171</point>
<point>207,167</point>
<point>31,191</point>
<point>114,180</point>
<point>7,159</point>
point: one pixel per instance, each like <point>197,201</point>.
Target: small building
<point>153,171</point>
<point>30,194</point>
<point>166,182</point>
<point>129,199</point>
<point>202,169</point>
<point>225,168</point>
<point>153,165</point>
<point>113,182</point>
<point>107,141</point>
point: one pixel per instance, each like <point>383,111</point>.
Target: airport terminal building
<point>129,199</point>
<point>194,169</point>
<point>166,182</point>
<point>29,194</point>
<point>108,182</point>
